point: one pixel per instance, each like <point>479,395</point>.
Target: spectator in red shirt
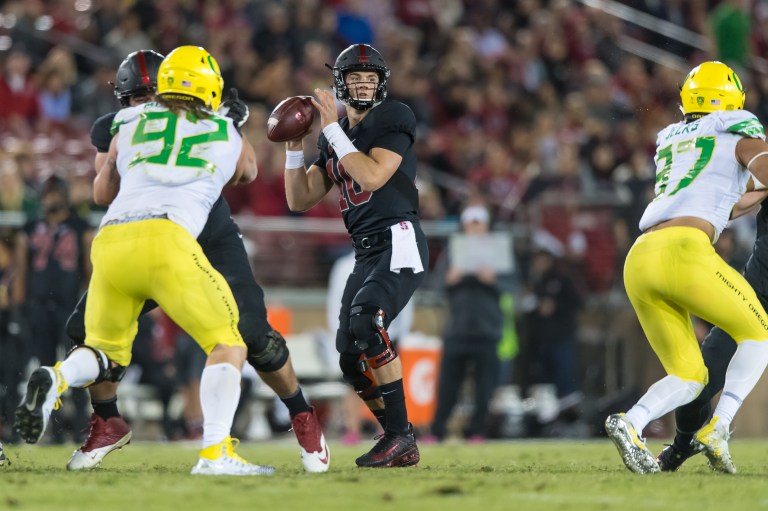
<point>19,108</point>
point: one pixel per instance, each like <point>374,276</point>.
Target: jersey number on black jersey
<point>351,194</point>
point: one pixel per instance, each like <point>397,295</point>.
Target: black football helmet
<point>360,57</point>
<point>137,74</point>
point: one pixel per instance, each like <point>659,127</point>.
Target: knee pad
<point>356,372</point>
<point>367,324</point>
<point>268,353</point>
<point>106,371</point>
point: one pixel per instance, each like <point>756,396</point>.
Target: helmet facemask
<point>362,58</point>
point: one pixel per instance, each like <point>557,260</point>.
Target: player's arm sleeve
<point>399,129</point>
<point>741,122</point>
<point>100,132</point>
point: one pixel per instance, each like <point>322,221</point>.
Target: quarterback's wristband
<point>294,159</point>
<point>341,143</point>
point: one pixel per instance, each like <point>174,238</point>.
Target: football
<point>290,119</point>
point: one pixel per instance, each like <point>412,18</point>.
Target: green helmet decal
<point>737,82</point>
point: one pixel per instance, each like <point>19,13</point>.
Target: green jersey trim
<point>751,128</point>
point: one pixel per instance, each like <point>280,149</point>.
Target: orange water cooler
<point>420,356</point>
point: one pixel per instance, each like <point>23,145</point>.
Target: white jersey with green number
<point>170,164</point>
<point>697,173</point>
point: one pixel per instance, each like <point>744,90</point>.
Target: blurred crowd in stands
<point>541,110</point>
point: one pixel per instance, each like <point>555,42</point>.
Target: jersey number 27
<point>704,144</point>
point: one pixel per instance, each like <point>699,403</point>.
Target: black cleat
<point>671,458</point>
<point>392,451</point>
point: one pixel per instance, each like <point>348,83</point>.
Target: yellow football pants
<point>674,272</point>
<point>155,259</point>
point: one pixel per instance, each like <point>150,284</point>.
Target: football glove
<point>237,109</point>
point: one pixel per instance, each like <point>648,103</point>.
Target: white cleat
<point>632,448</point>
<point>3,459</point>
<point>315,455</point>
<point>42,397</point>
<point>221,460</point>
<point>712,440</point>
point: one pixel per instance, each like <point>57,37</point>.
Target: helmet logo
<point>699,101</point>
<point>186,83</point>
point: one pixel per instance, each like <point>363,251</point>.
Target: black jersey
<point>762,219</point>
<point>392,126</point>
<point>55,260</point>
<point>756,269</point>
<point>100,132</point>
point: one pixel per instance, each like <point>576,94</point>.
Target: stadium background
<point>544,110</point>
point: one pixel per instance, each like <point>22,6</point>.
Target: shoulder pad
<point>101,132</point>
<point>126,115</point>
<point>397,116</point>
<point>742,122</point>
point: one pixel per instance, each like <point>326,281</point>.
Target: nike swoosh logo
<point>324,459</point>
<point>389,451</point>
<point>30,404</point>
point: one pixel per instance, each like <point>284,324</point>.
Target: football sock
<point>664,396</point>
<point>689,419</point>
<point>744,370</point>
<point>219,395</point>
<point>80,368</point>
<point>296,403</point>
<point>106,408</point>
<point>381,416</point>
<point>394,407</point>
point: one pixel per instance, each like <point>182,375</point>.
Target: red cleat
<point>104,437</point>
<point>315,455</point>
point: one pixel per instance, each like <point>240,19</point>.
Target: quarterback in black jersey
<point>222,243</point>
<point>369,155</point>
<point>718,347</point>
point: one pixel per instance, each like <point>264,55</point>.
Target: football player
<point>370,156</point>
<point>704,164</point>
<point>221,241</point>
<point>718,347</point>
<point>159,200</point>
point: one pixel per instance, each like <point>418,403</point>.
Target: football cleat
<point>392,451</point>
<point>42,397</point>
<point>712,440</point>
<point>671,457</point>
<point>632,448</point>
<point>3,459</point>
<point>315,455</point>
<point>221,460</point>
<point>104,437</point>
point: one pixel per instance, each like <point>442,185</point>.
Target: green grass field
<point>573,475</point>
